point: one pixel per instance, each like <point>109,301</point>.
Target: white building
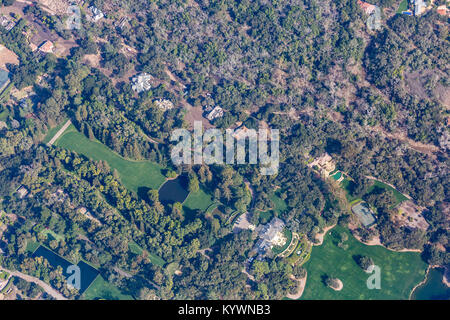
<point>217,112</point>
<point>163,104</point>
<point>419,7</point>
<point>22,191</point>
<point>270,235</point>
<point>6,23</point>
<point>96,13</point>
<point>141,82</point>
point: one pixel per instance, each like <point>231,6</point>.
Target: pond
<point>433,288</point>
<point>175,190</point>
<point>88,273</point>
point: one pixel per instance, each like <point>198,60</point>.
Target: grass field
<point>136,249</point>
<point>101,289</point>
<point>4,95</point>
<point>403,6</point>
<point>133,174</point>
<point>280,204</point>
<point>399,197</point>
<point>346,184</point>
<point>279,207</point>
<point>400,271</point>
<point>52,235</point>
<point>51,133</point>
<point>4,275</point>
<point>265,216</point>
<point>171,268</point>
<point>4,115</point>
<point>199,200</point>
<point>32,246</point>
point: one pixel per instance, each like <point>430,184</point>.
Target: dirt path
<point>55,294</point>
<point>390,185</point>
<point>301,287</point>
<point>428,149</point>
<point>123,273</point>
<point>59,133</point>
<point>203,252</point>
<point>377,242</point>
<point>244,271</point>
<point>320,236</point>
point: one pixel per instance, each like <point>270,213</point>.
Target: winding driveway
<point>55,294</point>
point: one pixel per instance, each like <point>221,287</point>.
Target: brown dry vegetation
<point>7,56</point>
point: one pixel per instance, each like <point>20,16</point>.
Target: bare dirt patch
<point>375,241</point>
<point>417,82</point>
<point>320,236</point>
<point>300,288</point>
<point>93,60</point>
<point>195,114</point>
<point>339,287</point>
<point>410,215</point>
<point>62,47</point>
<point>428,149</point>
<point>7,56</point>
<point>58,7</point>
<point>16,8</point>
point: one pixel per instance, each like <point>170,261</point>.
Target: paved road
<point>55,294</point>
<point>59,133</point>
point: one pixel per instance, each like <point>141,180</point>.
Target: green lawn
<point>301,253</point>
<point>400,271</point>
<point>136,249</point>
<point>279,207</point>
<point>156,259</point>
<point>403,6</point>
<point>103,290</point>
<point>199,200</point>
<point>280,204</point>
<point>345,184</point>
<point>4,95</point>
<point>51,235</point>
<point>51,133</point>
<point>133,174</point>
<point>4,275</point>
<point>32,246</point>
<point>399,197</point>
<point>265,216</point>
<point>4,115</point>
<point>171,268</point>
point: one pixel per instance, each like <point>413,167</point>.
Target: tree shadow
<point>323,279</point>
<point>142,193</point>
